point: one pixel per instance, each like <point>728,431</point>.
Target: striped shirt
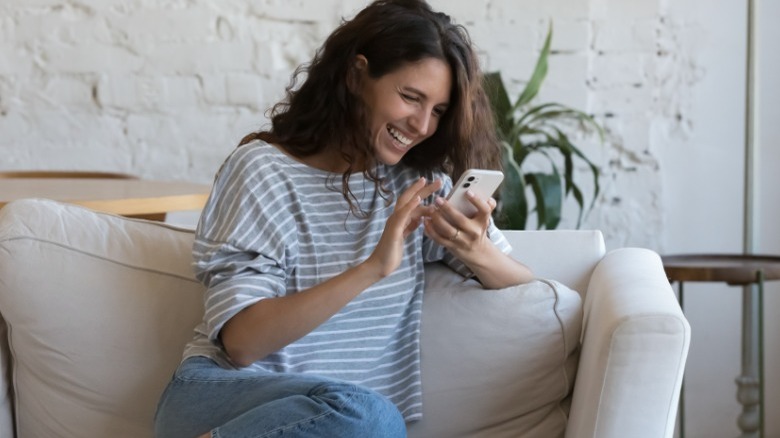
<point>274,226</point>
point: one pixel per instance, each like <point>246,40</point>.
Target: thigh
<point>203,396</point>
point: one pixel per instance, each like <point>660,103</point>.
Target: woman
<point>313,242</point>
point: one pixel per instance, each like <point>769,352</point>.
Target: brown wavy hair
<point>323,113</point>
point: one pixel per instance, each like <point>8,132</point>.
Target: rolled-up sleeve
<point>239,252</point>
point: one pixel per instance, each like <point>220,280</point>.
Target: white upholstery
<point>98,307</point>
<point>504,360</point>
<point>101,306</point>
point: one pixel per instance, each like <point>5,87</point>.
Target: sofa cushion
<point>98,310</point>
<point>488,372</point>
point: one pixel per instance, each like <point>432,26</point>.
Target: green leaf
<point>580,201</point>
<point>568,171</point>
<point>549,198</point>
<point>499,102</point>
<point>593,168</point>
<point>513,213</point>
<point>524,122</point>
<point>540,72</point>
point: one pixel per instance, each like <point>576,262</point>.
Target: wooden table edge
<point>151,205</point>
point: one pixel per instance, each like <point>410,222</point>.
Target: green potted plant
<point>527,129</point>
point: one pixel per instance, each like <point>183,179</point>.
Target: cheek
<point>433,126</point>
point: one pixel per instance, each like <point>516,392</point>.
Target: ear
<point>361,62</point>
<point>358,68</point>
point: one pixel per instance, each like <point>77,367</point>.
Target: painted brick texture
<point>166,89</point>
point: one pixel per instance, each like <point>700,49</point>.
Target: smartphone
<point>480,181</point>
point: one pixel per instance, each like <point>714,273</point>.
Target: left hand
<point>461,235</point>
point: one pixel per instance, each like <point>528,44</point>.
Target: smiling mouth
<point>400,138</point>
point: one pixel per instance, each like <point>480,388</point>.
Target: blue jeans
<point>204,397</point>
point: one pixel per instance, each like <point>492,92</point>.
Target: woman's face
<point>404,107</point>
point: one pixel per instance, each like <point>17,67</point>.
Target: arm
<point>272,323</point>
<point>466,238</point>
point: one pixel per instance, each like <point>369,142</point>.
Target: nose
<point>421,121</point>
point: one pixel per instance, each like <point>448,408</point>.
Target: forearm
<point>271,324</point>
<point>494,269</point>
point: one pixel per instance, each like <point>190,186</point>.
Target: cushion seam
<point>99,257</point>
<point>562,327</point>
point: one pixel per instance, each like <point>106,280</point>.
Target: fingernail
<point>439,200</point>
<point>469,193</point>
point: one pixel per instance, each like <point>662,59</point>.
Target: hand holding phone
<point>483,183</point>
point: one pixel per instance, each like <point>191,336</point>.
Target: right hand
<point>408,214</point>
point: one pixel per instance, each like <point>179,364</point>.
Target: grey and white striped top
<point>274,226</point>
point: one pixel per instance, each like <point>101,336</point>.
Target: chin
<point>389,161</point>
<point>390,155</point>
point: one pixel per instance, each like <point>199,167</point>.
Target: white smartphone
<point>481,182</point>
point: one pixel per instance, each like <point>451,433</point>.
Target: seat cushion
<point>98,309</point>
<point>496,363</point>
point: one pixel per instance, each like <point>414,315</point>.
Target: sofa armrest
<point>634,345</point>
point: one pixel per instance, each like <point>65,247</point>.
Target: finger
<point>482,206</point>
<point>398,223</point>
<point>413,225</point>
<point>430,230</point>
<point>429,189</point>
<point>419,213</point>
<point>449,214</point>
<point>425,210</point>
<point>442,227</point>
<point>406,210</point>
<point>446,235</point>
<point>410,192</point>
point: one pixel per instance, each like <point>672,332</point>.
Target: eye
<point>409,97</point>
<point>438,111</point>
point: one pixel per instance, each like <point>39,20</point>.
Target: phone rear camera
<point>465,185</point>
<point>471,178</point>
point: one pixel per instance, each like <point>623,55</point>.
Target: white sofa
<point>96,309</point>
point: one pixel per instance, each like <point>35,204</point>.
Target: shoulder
<point>258,165</point>
<point>249,157</point>
<point>249,187</point>
<point>252,174</point>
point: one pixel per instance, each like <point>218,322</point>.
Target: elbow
<point>244,340</point>
<point>238,357</point>
<point>235,351</point>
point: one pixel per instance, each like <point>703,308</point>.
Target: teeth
<point>400,137</point>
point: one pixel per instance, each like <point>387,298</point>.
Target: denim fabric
<point>204,397</point>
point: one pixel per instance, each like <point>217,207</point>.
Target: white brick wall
<point>165,89</point>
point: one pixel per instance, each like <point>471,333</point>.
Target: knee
<point>361,411</point>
